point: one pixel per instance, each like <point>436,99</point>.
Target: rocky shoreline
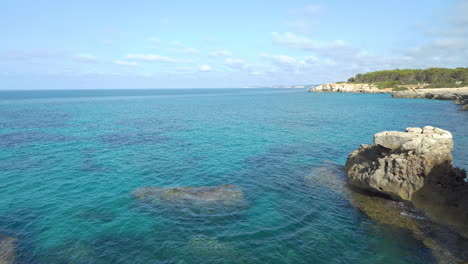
<point>458,95</point>
<point>348,88</point>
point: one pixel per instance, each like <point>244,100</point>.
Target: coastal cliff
<point>458,95</point>
<point>348,88</point>
<point>414,166</point>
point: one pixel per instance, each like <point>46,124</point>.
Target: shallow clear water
<point>70,159</point>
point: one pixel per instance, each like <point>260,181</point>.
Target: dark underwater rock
<point>446,246</point>
<point>221,195</point>
<point>7,249</point>
<point>96,215</point>
<point>207,247</point>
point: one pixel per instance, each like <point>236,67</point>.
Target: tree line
<point>433,76</point>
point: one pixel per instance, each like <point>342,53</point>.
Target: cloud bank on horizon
<point>160,44</point>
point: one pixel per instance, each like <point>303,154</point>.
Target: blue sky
<point>190,44</point>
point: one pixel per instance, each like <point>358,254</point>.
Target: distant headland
<point>432,83</point>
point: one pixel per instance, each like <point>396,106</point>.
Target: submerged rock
<point>204,246</point>
<point>446,246</point>
<point>95,214</point>
<point>221,195</point>
<point>7,249</point>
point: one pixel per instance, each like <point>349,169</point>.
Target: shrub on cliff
<point>399,89</point>
<point>387,84</point>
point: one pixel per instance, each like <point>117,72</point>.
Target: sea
<point>70,159</point>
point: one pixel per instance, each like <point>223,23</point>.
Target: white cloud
<point>294,41</point>
<point>190,51</point>
<point>125,63</point>
<point>304,19</point>
<point>85,57</point>
<point>205,68</point>
<point>220,53</point>
<point>235,63</point>
<point>308,10</point>
<point>155,40</point>
<point>282,59</point>
<point>301,25</point>
<point>151,58</point>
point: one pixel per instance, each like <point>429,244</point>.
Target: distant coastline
<point>432,83</point>
<point>458,95</point>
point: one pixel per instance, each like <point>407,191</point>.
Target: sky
<point>222,44</point>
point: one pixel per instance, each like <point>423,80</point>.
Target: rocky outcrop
<point>221,195</point>
<point>409,95</point>
<point>7,249</point>
<point>416,166</point>
<point>399,163</point>
<point>347,88</point>
<point>463,101</point>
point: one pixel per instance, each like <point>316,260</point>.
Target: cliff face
<point>347,88</point>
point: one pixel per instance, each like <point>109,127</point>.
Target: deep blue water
<point>70,159</point>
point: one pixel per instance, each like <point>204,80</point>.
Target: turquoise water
<point>70,159</point>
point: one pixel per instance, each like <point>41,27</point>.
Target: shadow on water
<point>155,124</point>
<point>21,138</point>
<point>30,119</point>
<point>94,214</point>
<point>131,139</point>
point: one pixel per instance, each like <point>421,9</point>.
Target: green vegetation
<point>399,89</point>
<point>435,76</point>
<point>387,84</point>
<point>447,85</point>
